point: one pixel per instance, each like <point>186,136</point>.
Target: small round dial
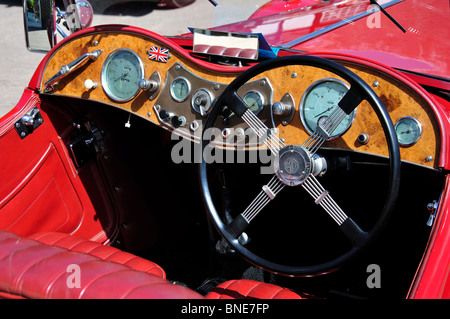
<point>408,130</point>
<point>121,73</point>
<point>201,101</point>
<point>180,89</point>
<point>254,101</point>
<point>320,100</point>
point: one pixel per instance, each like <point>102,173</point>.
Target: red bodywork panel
<point>374,37</point>
<point>277,6</point>
<point>432,278</point>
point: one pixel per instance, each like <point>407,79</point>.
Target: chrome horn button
<point>293,165</point>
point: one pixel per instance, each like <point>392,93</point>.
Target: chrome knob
<point>363,138</point>
<point>147,85</point>
<point>280,108</point>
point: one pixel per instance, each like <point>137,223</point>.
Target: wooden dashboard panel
<point>399,99</point>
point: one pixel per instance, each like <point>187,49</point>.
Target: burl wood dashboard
<point>179,92</point>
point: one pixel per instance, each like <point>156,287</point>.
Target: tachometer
<point>319,101</point>
<point>121,73</point>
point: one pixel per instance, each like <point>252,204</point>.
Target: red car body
<point>277,6</point>
<point>44,190</point>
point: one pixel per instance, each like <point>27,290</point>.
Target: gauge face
<point>180,89</point>
<point>254,101</point>
<point>121,73</point>
<point>408,130</point>
<point>320,100</point>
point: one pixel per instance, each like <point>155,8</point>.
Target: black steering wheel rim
<point>394,163</point>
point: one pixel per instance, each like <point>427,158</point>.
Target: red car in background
<point>101,6</point>
<point>302,153</point>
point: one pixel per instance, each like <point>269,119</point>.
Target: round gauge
<point>180,89</point>
<point>408,130</point>
<point>320,100</point>
<point>121,73</point>
<point>201,101</point>
<point>254,101</point>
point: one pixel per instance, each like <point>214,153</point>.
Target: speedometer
<point>121,73</point>
<point>320,100</point>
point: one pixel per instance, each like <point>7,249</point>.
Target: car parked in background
<point>100,6</point>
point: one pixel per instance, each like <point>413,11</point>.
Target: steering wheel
<point>294,165</point>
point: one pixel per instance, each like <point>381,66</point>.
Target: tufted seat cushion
<point>250,289</point>
<point>54,265</point>
<point>31,269</point>
<point>107,253</point>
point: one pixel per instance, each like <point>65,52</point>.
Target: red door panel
<point>44,201</point>
<point>40,188</point>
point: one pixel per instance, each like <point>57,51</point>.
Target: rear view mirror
<point>40,24</point>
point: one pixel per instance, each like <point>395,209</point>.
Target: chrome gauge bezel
<point>106,84</point>
<point>303,101</point>
<point>418,126</point>
<point>209,100</point>
<point>261,97</point>
<point>172,93</point>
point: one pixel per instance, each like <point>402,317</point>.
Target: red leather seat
<point>104,252</point>
<point>46,266</point>
<point>250,289</point>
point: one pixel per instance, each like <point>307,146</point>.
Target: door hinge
<point>29,122</point>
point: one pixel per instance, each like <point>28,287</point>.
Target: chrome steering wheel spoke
<point>266,135</point>
<point>324,130</point>
<point>267,194</point>
<point>328,124</point>
<point>322,198</point>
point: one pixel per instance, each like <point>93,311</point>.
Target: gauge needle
<point>327,110</point>
<point>406,132</point>
<point>122,77</point>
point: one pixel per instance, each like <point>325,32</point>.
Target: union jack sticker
<point>158,54</point>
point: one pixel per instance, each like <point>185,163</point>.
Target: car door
<point>41,187</point>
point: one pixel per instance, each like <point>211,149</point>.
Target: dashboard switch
<point>178,121</point>
<point>166,115</point>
